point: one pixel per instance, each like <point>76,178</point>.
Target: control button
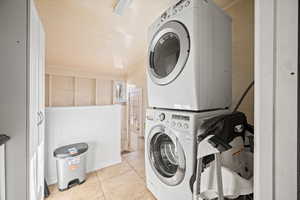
<point>174,12</point>
<point>188,138</point>
<point>179,125</point>
<point>187,3</point>
<point>173,124</point>
<point>186,126</point>
<point>150,118</point>
<point>162,117</point>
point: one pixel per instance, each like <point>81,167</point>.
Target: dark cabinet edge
<point>3,139</point>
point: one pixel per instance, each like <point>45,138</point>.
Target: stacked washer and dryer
<point>189,80</point>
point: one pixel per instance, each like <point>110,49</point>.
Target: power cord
<point>243,96</point>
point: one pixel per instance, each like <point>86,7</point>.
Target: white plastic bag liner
<point>237,173</point>
<point>237,159</point>
<point>233,184</point>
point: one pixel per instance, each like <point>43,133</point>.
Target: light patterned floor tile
<point>128,186</point>
<point>124,181</point>
<point>138,155</point>
<point>113,171</point>
<point>138,166</point>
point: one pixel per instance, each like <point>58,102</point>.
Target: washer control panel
<point>180,121</point>
<point>177,8</point>
<point>175,121</point>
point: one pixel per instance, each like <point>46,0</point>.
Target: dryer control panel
<point>177,8</point>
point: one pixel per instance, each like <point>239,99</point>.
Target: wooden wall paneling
<point>63,88</point>
<point>50,90</point>
<point>104,92</point>
<point>47,87</point>
<point>68,90</point>
<point>75,91</point>
<point>69,71</point>
<point>95,91</point>
<point>85,92</point>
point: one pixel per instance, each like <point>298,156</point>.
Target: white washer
<point>190,57</point>
<point>170,146</point>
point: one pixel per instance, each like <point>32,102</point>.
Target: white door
<point>41,113</point>
<point>36,107</point>
<point>135,117</point>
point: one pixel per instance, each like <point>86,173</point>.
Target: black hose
<point>243,96</point>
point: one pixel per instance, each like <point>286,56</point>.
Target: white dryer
<point>170,155</point>
<point>190,57</point>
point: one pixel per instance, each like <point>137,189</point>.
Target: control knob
<point>185,126</point>
<point>181,8</point>
<point>187,3</point>
<point>162,117</point>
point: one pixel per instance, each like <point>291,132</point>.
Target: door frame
<point>276,72</point>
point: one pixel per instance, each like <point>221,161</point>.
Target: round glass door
<point>167,158</point>
<point>168,52</point>
<point>166,55</point>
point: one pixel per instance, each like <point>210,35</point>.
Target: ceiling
<point>87,35</point>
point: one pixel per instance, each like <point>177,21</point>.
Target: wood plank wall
<point>64,90</point>
<point>66,86</point>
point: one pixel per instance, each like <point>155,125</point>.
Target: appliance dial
<point>162,117</point>
<point>179,125</point>
<point>180,8</point>
<point>187,3</point>
<point>174,12</point>
<point>186,126</point>
<point>173,124</point>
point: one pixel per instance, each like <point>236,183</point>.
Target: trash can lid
<point>71,150</point>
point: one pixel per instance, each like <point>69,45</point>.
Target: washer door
<point>168,52</point>
<point>166,156</point>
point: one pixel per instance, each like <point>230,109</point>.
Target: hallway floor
<point>124,181</point>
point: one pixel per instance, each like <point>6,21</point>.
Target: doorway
<point>135,127</point>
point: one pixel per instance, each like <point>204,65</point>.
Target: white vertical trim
<point>285,166</point>
<point>276,28</point>
<point>2,172</point>
<point>264,99</point>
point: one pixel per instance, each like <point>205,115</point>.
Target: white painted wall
<point>99,126</point>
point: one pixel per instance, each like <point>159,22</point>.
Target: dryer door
<point>166,156</point>
<point>168,52</point>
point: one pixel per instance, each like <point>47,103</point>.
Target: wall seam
<point>275,67</point>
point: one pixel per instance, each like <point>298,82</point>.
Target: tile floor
<point>125,181</point>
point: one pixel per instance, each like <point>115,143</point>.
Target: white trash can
<point>71,165</point>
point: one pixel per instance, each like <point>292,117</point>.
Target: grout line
<point>135,171</point>
<point>104,195</point>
